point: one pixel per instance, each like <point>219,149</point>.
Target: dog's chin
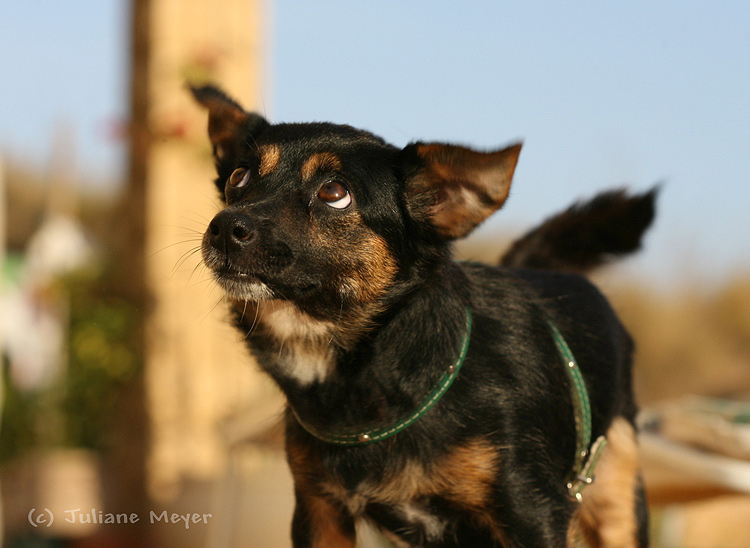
<point>241,289</point>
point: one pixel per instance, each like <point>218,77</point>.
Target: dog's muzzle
<point>244,254</point>
<point>230,232</point>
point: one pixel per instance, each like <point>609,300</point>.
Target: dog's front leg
<point>319,523</point>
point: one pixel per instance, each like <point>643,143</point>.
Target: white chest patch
<point>305,350</point>
<point>306,365</point>
<point>286,322</point>
<point>413,517</point>
<point>420,518</point>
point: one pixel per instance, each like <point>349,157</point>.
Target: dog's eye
<point>334,194</point>
<point>239,177</point>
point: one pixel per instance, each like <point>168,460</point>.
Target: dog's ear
<point>455,188</point>
<point>230,128</point>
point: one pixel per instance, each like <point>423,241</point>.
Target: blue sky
<point>602,94</point>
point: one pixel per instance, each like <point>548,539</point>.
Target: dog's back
<point>553,259</point>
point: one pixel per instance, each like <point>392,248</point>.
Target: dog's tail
<point>586,235</point>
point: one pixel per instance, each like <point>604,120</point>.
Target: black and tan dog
<point>447,404</point>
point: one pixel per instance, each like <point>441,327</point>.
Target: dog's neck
<point>305,350</point>
<point>394,363</point>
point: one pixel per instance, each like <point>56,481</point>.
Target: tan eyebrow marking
<point>269,159</point>
<point>320,161</point>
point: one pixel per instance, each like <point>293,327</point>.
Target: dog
<point>444,403</point>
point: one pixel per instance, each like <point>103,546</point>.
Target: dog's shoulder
<point>532,291</point>
<point>554,294</point>
<point>526,302</point>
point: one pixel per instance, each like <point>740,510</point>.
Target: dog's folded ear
<point>230,128</point>
<point>455,188</point>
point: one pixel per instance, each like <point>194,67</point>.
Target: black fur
<point>586,235</point>
<point>357,312</point>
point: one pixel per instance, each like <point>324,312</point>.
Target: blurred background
<point>127,400</point>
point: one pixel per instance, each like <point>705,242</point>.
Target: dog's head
<point>332,219</point>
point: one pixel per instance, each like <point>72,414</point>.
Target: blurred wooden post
<point>196,370</point>
<point>124,466</point>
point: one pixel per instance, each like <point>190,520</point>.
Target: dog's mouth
<point>243,286</point>
<point>260,277</point>
<point>229,273</point>
<point>238,283</point>
<point>251,286</point>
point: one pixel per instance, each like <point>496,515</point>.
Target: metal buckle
<point>576,487</point>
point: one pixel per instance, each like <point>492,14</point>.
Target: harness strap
<point>587,455</point>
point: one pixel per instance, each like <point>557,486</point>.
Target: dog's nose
<point>230,230</point>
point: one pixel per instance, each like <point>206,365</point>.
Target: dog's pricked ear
<point>229,125</point>
<point>455,188</point>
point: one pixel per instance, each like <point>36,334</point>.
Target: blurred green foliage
<point>77,409</point>
<point>17,433</point>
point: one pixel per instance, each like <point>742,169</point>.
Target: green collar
<point>587,455</point>
<point>363,436</point>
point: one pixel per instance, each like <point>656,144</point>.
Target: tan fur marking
<point>374,271</point>
<point>224,123</point>
<point>606,519</point>
<point>269,159</point>
<point>325,521</point>
<point>362,269</point>
<point>466,186</point>
<point>465,477</point>
<point>304,465</point>
<point>477,463</point>
<point>325,518</point>
<point>321,161</point>
<point>223,120</point>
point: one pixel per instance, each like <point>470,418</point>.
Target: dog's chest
<point>407,517</point>
<point>419,502</point>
